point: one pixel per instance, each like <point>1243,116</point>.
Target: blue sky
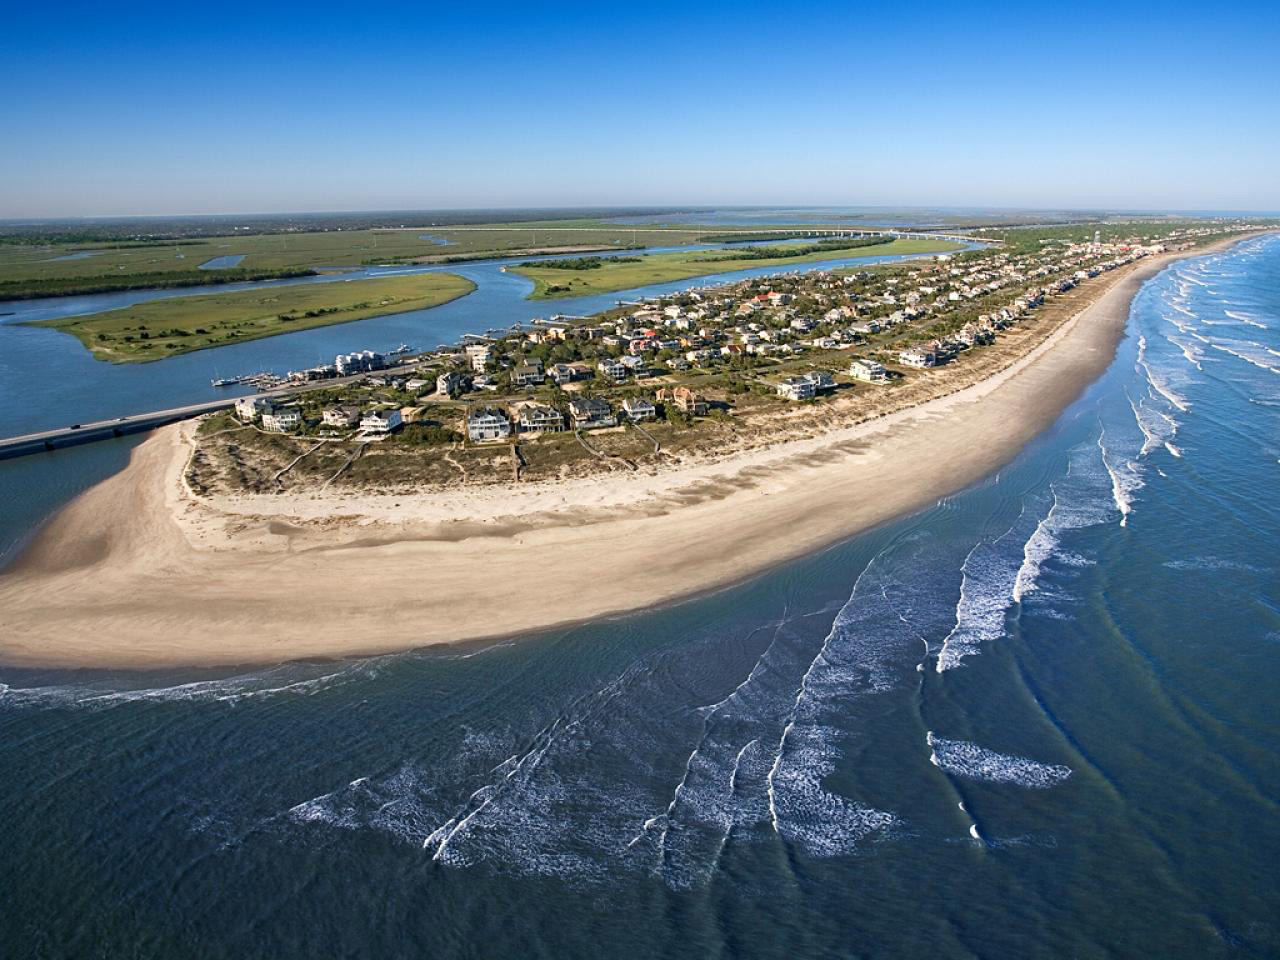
<point>204,108</point>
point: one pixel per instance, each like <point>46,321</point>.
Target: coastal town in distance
<point>653,482</point>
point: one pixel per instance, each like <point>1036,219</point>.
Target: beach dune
<point>138,573</point>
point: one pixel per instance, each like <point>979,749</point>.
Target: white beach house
<point>488,426</point>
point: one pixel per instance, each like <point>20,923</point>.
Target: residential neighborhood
<point>712,361</point>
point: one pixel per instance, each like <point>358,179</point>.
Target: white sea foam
<point>287,680</point>
<point>1248,318</point>
<point>1189,351</point>
<point>1250,352</point>
<point>1157,384</point>
<point>987,590</point>
<point>566,800</point>
<point>961,758</point>
<point>1214,563</point>
<point>1126,480</point>
<point>1080,500</point>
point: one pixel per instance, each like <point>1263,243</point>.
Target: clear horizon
<point>156,111</point>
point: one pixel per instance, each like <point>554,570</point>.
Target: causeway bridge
<point>749,232</point>
<point>79,433</point>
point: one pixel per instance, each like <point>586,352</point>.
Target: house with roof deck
<point>917,357</point>
<point>479,355</point>
<point>821,380</point>
<point>635,365</point>
<point>868,370</point>
<point>487,425</point>
<point>449,383</point>
<point>613,369</point>
<point>375,423</point>
<point>796,388</point>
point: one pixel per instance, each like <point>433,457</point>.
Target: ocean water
<point>1038,719</point>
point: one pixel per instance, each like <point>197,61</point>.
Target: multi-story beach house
<point>563,373</point>
<point>821,380</point>
<point>539,418</point>
<point>487,426</point>
<point>249,408</point>
<point>528,373</point>
<point>380,422</point>
<point>638,409</point>
<point>613,369</point>
<point>918,358</point>
<point>282,420</point>
<point>796,388</point>
<point>340,416</point>
<point>683,399</point>
<point>479,355</point>
<point>868,370</point>
<point>589,413</point>
<point>448,383</point>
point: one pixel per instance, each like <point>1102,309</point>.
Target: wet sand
<point>137,572</point>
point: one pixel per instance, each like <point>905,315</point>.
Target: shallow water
<point>1035,720</point>
<point>225,262</point>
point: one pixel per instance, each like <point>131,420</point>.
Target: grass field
<point>166,328</point>
<point>551,284</point>
<point>57,269</point>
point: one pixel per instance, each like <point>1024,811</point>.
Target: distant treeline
<point>579,263</point>
<point>76,286</point>
<point>171,228</point>
<point>775,253</point>
<point>82,238</point>
<point>744,237</point>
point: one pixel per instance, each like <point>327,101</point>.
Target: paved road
<point>139,422</point>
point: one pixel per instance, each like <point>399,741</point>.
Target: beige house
<point>282,420</point>
<point>684,399</point>
<point>539,418</point>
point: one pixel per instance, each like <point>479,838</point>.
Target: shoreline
<point>157,579</point>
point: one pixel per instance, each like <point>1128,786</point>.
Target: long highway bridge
<point>78,433</point>
<point>781,232</point>
<point>103,429</point>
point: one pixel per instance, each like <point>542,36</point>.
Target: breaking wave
<point>961,758</point>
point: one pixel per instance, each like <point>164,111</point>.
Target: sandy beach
<point>137,572</point>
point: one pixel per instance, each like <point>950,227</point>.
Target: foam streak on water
<point>988,586</point>
<point>960,758</point>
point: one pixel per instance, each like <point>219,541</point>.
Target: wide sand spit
<point>138,572</point>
